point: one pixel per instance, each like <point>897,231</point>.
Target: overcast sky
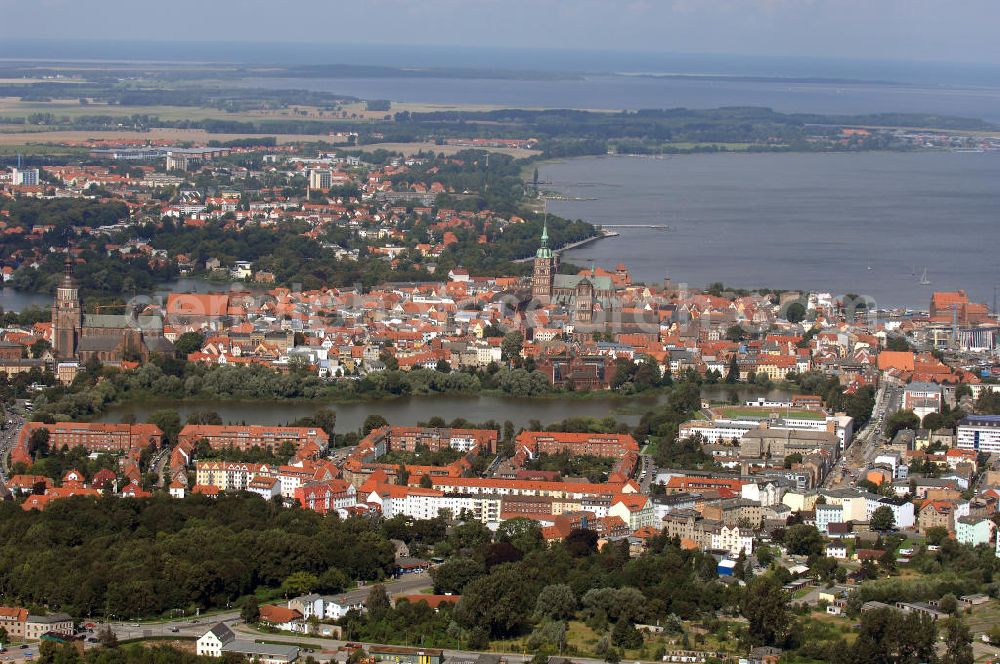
<point>955,30</point>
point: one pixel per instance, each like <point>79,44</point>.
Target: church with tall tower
<point>67,315</point>
<point>583,295</point>
<point>545,267</point>
<point>111,339</point>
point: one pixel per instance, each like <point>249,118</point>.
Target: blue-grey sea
<point>865,223</point>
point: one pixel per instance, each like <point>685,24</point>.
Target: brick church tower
<point>67,315</point>
<point>541,279</point>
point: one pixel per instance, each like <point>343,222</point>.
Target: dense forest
<point>133,558</point>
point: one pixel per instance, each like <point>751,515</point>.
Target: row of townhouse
<point>946,509</point>
<point>93,436</point>
<point>409,439</point>
<point>491,506</point>
<point>326,496</point>
<point>503,487</point>
<point>242,437</point>
<point>40,491</point>
<point>849,505</point>
<point>577,444</point>
<point>265,479</point>
<point>693,529</point>
<point>420,503</point>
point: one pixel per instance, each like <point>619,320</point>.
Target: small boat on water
<point>924,281</point>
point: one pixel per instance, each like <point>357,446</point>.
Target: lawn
<point>580,640</point>
<point>821,625</point>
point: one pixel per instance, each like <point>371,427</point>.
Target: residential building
<point>409,439</point>
<point>663,505</point>
<point>936,514</point>
<point>323,607</point>
<point>25,177</point>
<point>974,530</point>
<point>12,620</point>
<point>733,540</point>
<point>266,487</point>
<point>403,655</point>
<point>827,514</point>
<point>210,644</point>
<point>230,475</point>
<point>979,432</point>
<point>221,640</point>
<point>902,510</point>
<point>327,496</point>
<point>95,436</point>
<point>320,178</point>
<point>280,617</point>
<point>242,437</point>
<point>634,509</point>
<point>53,623</point>
<point>581,444</point>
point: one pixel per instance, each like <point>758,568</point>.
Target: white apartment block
<point>979,432</point>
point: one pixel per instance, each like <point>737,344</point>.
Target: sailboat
<point>924,281</point>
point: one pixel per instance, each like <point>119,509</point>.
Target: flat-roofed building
<point>979,432</point>
<point>923,398</point>
<point>779,443</point>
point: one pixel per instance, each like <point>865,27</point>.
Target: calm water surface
<point>410,411</point>
<point>15,300</point>
<point>866,223</point>
<point>636,92</point>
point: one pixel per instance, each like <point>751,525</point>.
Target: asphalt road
<point>196,626</point>
<point>331,645</point>
<point>8,436</point>
<point>647,472</point>
<point>16,654</point>
<point>861,452</point>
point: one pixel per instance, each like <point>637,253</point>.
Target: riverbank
<point>602,234</point>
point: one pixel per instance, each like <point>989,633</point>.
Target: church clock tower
<point>541,279</point>
<point>67,315</point>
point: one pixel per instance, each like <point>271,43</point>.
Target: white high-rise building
<point>25,177</point>
<point>320,178</point>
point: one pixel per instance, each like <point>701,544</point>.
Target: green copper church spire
<point>544,251</point>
